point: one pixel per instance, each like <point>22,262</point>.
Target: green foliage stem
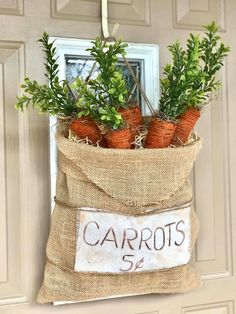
<point>110,79</point>
<point>101,97</point>
<point>190,79</point>
<point>213,54</point>
<point>55,99</point>
<point>92,101</point>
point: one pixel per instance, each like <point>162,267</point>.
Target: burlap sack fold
<point>131,182</point>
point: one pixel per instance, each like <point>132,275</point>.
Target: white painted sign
<point>115,243</point>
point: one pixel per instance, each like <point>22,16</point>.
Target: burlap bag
<point>131,182</point>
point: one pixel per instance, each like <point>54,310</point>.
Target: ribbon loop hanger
<point>105,27</point>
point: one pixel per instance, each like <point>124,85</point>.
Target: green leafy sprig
<point>101,97</point>
<point>110,79</point>
<point>55,99</point>
<point>93,102</point>
<point>190,79</point>
<point>176,86</point>
<point>213,55</point>
<point>110,117</point>
<point>171,85</point>
<point>88,101</point>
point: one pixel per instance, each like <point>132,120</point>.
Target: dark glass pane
<point>81,66</point>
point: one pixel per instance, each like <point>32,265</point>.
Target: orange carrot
<point>86,127</point>
<point>133,117</point>
<point>185,125</point>
<point>160,133</point>
<point>120,138</point>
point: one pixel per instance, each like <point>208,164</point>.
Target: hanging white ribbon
<point>105,26</point>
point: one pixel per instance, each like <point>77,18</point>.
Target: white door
<point>24,151</point>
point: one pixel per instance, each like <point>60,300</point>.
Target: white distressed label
<point>115,243</point>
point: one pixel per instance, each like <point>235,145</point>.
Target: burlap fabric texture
<point>131,182</point>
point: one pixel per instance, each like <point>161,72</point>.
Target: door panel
<point>24,151</point>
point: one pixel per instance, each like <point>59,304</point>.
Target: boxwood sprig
<point>191,78</point>
<point>110,79</point>
<point>55,99</point>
